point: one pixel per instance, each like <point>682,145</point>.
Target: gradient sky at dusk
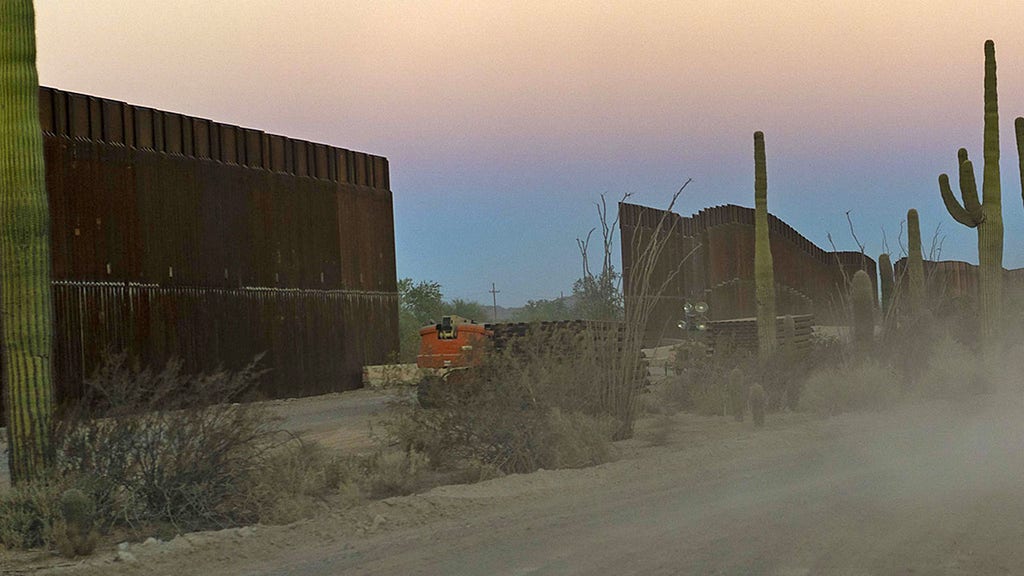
<point>504,122</point>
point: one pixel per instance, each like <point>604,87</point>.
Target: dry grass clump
<point>30,515</point>
<point>952,371</point>
<point>302,479</point>
<point>851,386</point>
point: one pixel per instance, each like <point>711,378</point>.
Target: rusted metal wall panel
<point>720,269</point>
<point>179,237</point>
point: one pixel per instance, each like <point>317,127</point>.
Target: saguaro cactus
<point>25,298</point>
<point>1018,125</point>
<point>885,275</point>
<point>764,275</point>
<point>915,264</point>
<point>986,215</point>
<point>862,299</point>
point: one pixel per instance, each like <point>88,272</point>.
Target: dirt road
<point>930,489</point>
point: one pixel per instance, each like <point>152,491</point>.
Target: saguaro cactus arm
<point>970,213</point>
<point>1018,126</point>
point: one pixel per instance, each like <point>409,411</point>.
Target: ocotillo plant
<point>862,300</point>
<point>764,275</point>
<point>986,215</point>
<point>886,277</point>
<point>915,264</point>
<point>25,299</point>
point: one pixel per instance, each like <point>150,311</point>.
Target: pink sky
<point>513,117</point>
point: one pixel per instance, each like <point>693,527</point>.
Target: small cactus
<point>79,513</point>
<point>789,334</point>
<point>757,404</point>
<point>737,394</point>
<point>886,276</point>
<point>862,300</point>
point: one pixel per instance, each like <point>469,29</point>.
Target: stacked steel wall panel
<point>176,236</point>
<point>711,255</point>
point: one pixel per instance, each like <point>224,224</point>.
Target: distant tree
<point>422,303</point>
<point>598,297</point>
<point>422,300</point>
<point>544,310</point>
<point>468,309</point>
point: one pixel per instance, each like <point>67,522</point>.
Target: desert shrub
<point>30,514</point>
<point>849,387</point>
<point>736,389</point>
<point>757,404</point>
<point>300,478</point>
<point>539,403</point>
<point>575,440</point>
<point>952,370</point>
<point>389,473</point>
<point>165,447</point>
<point>710,398</point>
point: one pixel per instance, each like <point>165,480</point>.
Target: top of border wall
<point>696,224</point>
<point>84,117</point>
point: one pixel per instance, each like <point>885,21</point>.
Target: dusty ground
<point>927,489</point>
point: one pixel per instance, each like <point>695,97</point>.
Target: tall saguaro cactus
<point>25,297</point>
<point>764,275</point>
<point>987,214</point>
<point>915,263</point>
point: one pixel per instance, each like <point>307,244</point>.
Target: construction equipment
<point>455,342</point>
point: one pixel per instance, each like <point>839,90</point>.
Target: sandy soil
<point>927,489</point>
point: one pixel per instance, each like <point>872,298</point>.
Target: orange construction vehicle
<point>454,343</point>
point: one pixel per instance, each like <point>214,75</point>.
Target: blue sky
<point>504,122</point>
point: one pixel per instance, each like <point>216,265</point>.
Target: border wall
<point>711,254</point>
<point>180,237</point>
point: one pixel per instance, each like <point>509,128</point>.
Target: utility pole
<point>494,298</point>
